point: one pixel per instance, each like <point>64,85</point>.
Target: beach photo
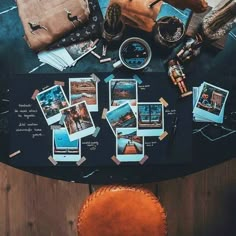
<point>122,91</point>
<point>63,148</point>
<point>122,116</point>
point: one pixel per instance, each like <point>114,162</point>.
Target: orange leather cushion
<point>122,211</point>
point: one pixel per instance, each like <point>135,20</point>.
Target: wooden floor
<point>203,204</point>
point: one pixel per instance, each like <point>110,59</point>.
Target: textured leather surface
<point>138,14</point>
<point>194,5</point>
<point>122,211</point>
<point>51,19</point>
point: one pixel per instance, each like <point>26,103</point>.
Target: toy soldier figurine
<point>191,48</point>
<point>177,76</point>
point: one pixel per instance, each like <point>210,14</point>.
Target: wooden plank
<point>34,205</point>
<point>202,203</point>
<point>199,204</point>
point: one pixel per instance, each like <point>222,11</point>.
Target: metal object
<point>134,53</point>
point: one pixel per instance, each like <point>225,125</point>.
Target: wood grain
<point>33,205</point>
<point>200,204</point>
<point>203,203</point>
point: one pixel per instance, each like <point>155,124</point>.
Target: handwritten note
<point>91,145</point>
<point>27,122</point>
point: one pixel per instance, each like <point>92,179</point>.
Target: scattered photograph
<point>122,116</point>
<point>51,102</point>
<point>197,118</point>
<point>78,50</point>
<point>84,89</point>
<point>63,148</point>
<point>129,146</point>
<point>150,119</point>
<point>78,121</point>
<point>211,102</point>
<point>122,91</point>
<point>71,54</point>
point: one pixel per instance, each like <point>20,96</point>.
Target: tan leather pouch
<point>46,21</point>
<point>138,14</point>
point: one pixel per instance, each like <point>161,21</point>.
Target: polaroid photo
<point>78,121</point>
<point>198,118</point>
<point>129,146</point>
<point>211,102</point>
<point>84,89</point>
<point>123,91</point>
<point>63,149</point>
<point>49,58</point>
<point>150,119</point>
<point>51,102</point>
<point>121,117</point>
<point>71,54</point>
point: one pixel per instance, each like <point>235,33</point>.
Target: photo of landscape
<point>83,89</point>
<point>122,91</point>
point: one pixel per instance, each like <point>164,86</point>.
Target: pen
<point>172,136</point>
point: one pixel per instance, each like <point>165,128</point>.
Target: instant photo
<point>122,116</point>
<point>84,89</point>
<point>78,121</point>
<point>63,148</point>
<point>51,102</point>
<point>198,118</point>
<point>150,119</point>
<point>123,91</point>
<point>211,102</point>
<point>71,54</point>
<point>129,146</point>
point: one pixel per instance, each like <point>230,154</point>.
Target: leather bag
<point>46,21</point>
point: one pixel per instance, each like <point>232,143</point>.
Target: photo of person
<point>122,116</point>
<point>122,91</point>
<point>51,102</point>
<point>212,99</point>
<point>84,89</point>
<point>130,147</point>
<point>150,119</point>
<point>78,121</point>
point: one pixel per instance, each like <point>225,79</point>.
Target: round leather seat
<point>122,211</point>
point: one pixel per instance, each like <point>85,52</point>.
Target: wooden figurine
<point>177,76</point>
<point>191,48</point>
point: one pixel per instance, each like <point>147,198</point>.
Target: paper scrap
<point>97,130</point>
<point>104,113</point>
<point>115,160</point>
<point>15,153</point>
<point>138,79</point>
<point>143,160</point>
<point>36,91</point>
<point>110,77</point>
<point>164,102</point>
<point>163,136</point>
<point>56,82</point>
<point>82,160</point>
<point>50,158</point>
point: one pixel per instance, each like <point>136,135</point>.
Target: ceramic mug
<point>134,53</point>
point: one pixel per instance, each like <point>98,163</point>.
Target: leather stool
<point>122,211</point>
